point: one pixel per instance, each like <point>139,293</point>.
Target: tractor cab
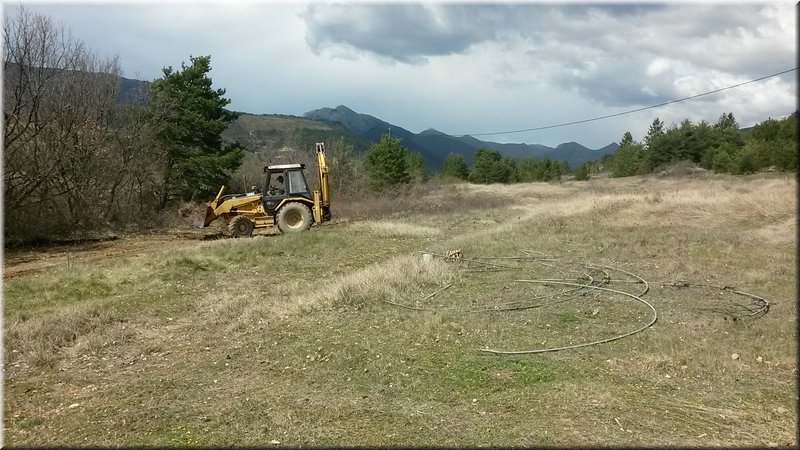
<point>283,181</point>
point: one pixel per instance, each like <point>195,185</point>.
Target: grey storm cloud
<point>604,52</point>
<point>411,32</point>
<point>403,33</point>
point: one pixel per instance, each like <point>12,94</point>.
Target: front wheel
<point>241,226</point>
<point>294,217</point>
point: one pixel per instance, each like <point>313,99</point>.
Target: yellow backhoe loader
<point>284,201</point>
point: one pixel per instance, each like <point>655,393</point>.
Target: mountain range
<point>434,146</point>
<point>260,132</point>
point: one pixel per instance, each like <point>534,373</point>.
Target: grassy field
<point>347,336</point>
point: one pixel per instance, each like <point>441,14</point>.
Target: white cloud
<point>465,68</point>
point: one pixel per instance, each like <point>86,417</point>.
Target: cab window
<point>297,183</point>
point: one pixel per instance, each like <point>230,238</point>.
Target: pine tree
<point>629,159</point>
<point>492,167</point>
<point>655,131</point>
<point>387,163</point>
<point>583,171</point>
<point>187,118</point>
<point>455,166</point>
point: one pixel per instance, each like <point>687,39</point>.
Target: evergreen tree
<point>785,154</point>
<point>723,145</point>
<point>630,158</point>
<point>583,171</point>
<point>772,143</point>
<point>187,118</point>
<point>387,163</point>
<point>508,169</point>
<point>415,167</point>
<point>491,167</point>
<point>529,170</point>
<point>655,132</point>
<point>727,122</point>
<point>627,139</point>
<point>455,166</point>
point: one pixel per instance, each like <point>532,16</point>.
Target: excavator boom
<point>322,211</point>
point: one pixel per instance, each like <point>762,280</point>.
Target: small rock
<point>474,400</point>
<point>760,359</point>
<point>74,405</point>
<point>274,442</point>
<point>772,444</point>
<point>735,356</point>
<point>667,376</point>
<point>684,367</point>
<point>781,410</point>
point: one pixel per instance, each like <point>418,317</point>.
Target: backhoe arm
<point>322,197</point>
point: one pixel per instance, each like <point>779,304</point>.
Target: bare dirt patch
<point>28,261</point>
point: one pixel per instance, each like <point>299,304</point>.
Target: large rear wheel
<point>241,226</point>
<point>294,217</point>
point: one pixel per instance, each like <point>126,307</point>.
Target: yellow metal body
<point>321,196</point>
<point>248,205</point>
<point>252,206</point>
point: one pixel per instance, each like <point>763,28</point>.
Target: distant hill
<point>267,133</point>
<point>434,146</point>
<point>132,91</point>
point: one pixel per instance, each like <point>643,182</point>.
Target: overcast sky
<point>465,68</point>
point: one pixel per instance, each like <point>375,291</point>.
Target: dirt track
<point>31,260</point>
<point>27,261</point>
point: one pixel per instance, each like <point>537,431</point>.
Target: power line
<point>632,110</point>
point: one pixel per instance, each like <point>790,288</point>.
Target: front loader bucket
<point>205,215</point>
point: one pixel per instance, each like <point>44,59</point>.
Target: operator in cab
<point>276,187</point>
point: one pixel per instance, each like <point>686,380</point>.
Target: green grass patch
<point>27,295</point>
<point>344,336</point>
<point>484,372</point>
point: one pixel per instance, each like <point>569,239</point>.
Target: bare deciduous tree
<point>36,55</point>
<point>73,156</point>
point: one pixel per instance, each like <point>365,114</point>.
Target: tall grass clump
<point>40,339</point>
<point>401,279</point>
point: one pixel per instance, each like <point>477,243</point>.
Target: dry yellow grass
<point>295,339</point>
<point>700,204</point>
<point>395,228</point>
